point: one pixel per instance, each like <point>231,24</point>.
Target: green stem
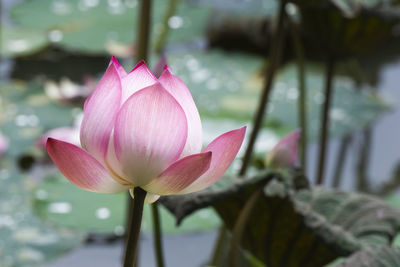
<point>143,34</point>
<point>340,160</point>
<point>363,161</point>
<point>134,228</point>
<point>219,246</point>
<point>274,60</point>
<point>157,235</point>
<point>144,30</point>
<point>324,134</point>
<point>299,51</point>
<point>240,227</point>
<point>162,38</point>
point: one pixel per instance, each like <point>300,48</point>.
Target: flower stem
<point>340,160</point>
<point>157,235</point>
<point>240,226</point>
<point>274,59</point>
<point>134,228</point>
<point>143,36</point>
<point>162,37</point>
<point>324,134</point>
<point>302,108</point>
<point>144,30</point>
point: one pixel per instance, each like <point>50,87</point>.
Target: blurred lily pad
<point>227,85</point>
<point>16,41</point>
<point>347,28</point>
<point>81,24</point>
<point>63,204</point>
<point>27,112</point>
<point>24,239</point>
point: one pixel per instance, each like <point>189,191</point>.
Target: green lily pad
<point>63,204</point>
<point>17,41</point>
<point>94,26</point>
<point>294,225</point>
<point>227,85</point>
<point>25,115</point>
<point>25,240</point>
<point>347,28</point>
<point>380,256</point>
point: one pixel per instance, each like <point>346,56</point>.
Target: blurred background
<point>54,51</point>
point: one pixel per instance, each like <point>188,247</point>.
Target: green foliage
<point>21,41</point>
<point>104,213</point>
<point>306,227</point>
<point>347,28</point>
<point>228,85</point>
<point>101,26</point>
<point>379,256</point>
<point>24,239</point>
<point>25,115</point>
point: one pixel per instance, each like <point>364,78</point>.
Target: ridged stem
<point>274,60</point>
<point>131,246</point>
<point>157,240</point>
<point>324,134</point>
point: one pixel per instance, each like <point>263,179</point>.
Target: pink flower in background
<point>3,144</point>
<point>69,134</point>
<point>138,130</point>
<point>285,153</point>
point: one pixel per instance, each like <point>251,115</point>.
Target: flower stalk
<point>134,228</point>
<point>324,134</point>
<point>274,56</point>
<point>157,240</point>
<point>302,107</point>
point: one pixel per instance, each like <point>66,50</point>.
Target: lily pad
<point>306,227</point>
<point>17,41</point>
<point>94,26</point>
<point>347,28</point>
<point>228,85</point>
<point>24,239</point>
<point>63,204</point>
<point>25,115</point>
<point>380,256</point>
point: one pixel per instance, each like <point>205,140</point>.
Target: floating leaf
<point>92,26</point>
<point>21,41</point>
<point>347,28</point>
<point>63,204</point>
<point>304,228</point>
<point>24,239</point>
<point>228,85</point>
<point>25,115</point>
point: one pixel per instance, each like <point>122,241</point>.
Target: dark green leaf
<point>289,228</point>
<point>380,256</point>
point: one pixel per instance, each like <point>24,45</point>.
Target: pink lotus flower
<point>4,143</point>
<point>285,153</point>
<point>138,130</point>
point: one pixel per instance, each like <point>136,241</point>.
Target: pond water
<point>194,249</point>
